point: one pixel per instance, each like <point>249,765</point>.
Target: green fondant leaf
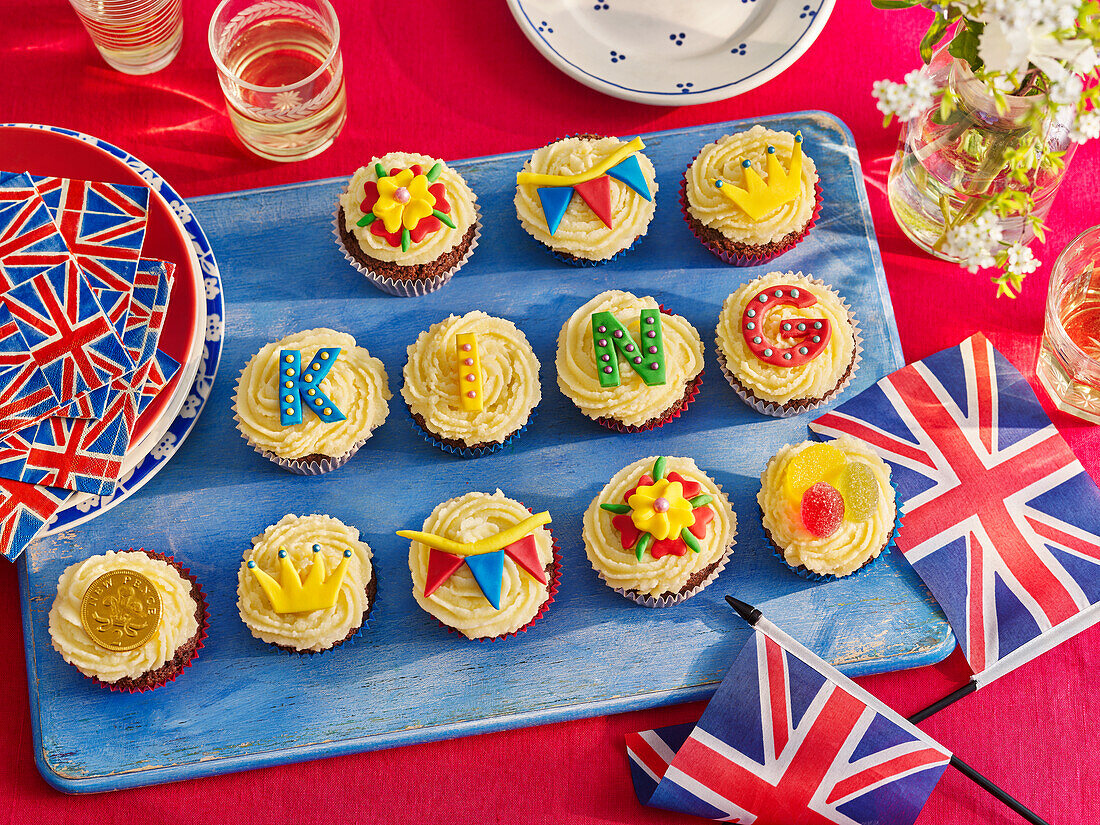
<point>380,170</point>
<point>444,218</point>
<point>643,545</point>
<point>618,509</point>
<point>690,540</point>
<point>700,500</point>
<point>406,241</point>
<point>659,468</point>
<point>433,173</point>
<point>366,220</point>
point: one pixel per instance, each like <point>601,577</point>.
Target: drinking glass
<point>280,68</point>
<point>134,36</point>
<point>1069,359</point>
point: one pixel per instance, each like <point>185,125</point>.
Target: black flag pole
<point>754,618</point>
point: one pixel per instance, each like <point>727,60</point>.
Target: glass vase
<point>944,166</point>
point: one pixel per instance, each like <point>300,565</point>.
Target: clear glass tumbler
<point>1069,359</point>
<point>280,69</point>
<point>134,36</point>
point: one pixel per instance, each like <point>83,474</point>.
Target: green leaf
<point>933,36</point>
<point>964,45</point>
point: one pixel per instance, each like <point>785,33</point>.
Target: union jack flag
<point>103,226</point>
<point>162,370</point>
<point>25,396</point>
<point>152,289</point>
<point>82,454</point>
<point>29,241</point>
<point>68,335</point>
<point>783,743</point>
<point>24,510</point>
<point>1001,520</point>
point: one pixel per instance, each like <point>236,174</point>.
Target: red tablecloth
<point>457,79</point>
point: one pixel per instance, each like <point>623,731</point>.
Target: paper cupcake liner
<point>345,642</point>
<point>809,575</point>
<point>204,626</point>
<point>555,581</point>
<point>413,287</point>
<point>470,452</point>
<point>673,412</point>
<point>739,259</point>
<point>583,262</point>
<point>668,599</point>
<point>787,410</point>
<point>298,466</point>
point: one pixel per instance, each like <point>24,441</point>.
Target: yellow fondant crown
<point>290,595</point>
<point>758,199</point>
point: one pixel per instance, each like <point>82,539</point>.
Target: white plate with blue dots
<point>672,52</point>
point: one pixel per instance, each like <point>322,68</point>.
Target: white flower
<point>181,210</point>
<point>191,407</point>
<point>212,288</point>
<point>213,328</point>
<point>1086,128</point>
<point>165,448</point>
<point>1021,261</point>
<point>89,503</point>
<point>1004,47</point>
<point>974,244</point>
<point>905,100</point>
<point>1066,91</point>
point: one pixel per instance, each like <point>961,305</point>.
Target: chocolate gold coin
<point>120,610</point>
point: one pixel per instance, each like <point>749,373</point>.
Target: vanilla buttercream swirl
<point>722,160</point>
<point>621,568</point>
<point>853,543</point>
<point>580,232</point>
<point>356,383</point>
<point>782,384</point>
<point>633,402</point>
<point>433,245</point>
<point>459,602</point>
<point>510,379</point>
<point>313,630</point>
<point>177,617</point>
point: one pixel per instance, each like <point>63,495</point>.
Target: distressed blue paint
<point>246,705</point>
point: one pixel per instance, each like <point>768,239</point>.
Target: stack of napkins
<point>81,312</point>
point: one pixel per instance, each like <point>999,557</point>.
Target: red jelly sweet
<point>822,509</point>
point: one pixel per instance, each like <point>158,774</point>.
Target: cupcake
<point>740,217</point>
<point>628,363</point>
<point>828,509</point>
<point>787,343</point>
<point>309,401</point>
<point>660,531</point>
<point>131,620</point>
<point>587,198</point>
<point>407,222</point>
<point>484,565</point>
<point>307,584</point>
<point>471,382</point>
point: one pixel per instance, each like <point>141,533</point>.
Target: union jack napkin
<point>1001,520</point>
<point>85,455</point>
<point>788,740</point>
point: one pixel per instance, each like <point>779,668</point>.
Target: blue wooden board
<point>244,704</point>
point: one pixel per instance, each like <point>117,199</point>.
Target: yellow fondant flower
<point>403,200</point>
<point>661,509</point>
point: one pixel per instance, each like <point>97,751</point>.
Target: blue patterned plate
<point>160,438</point>
<point>670,54</point>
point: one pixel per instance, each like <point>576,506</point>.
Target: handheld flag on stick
<point>1001,520</point>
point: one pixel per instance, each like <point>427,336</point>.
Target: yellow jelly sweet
<point>859,489</point>
<point>817,462</point>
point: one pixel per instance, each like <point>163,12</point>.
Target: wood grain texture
<point>244,704</point>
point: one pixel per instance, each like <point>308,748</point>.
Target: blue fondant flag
<point>488,570</point>
<point>555,200</point>
<point>630,173</point>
